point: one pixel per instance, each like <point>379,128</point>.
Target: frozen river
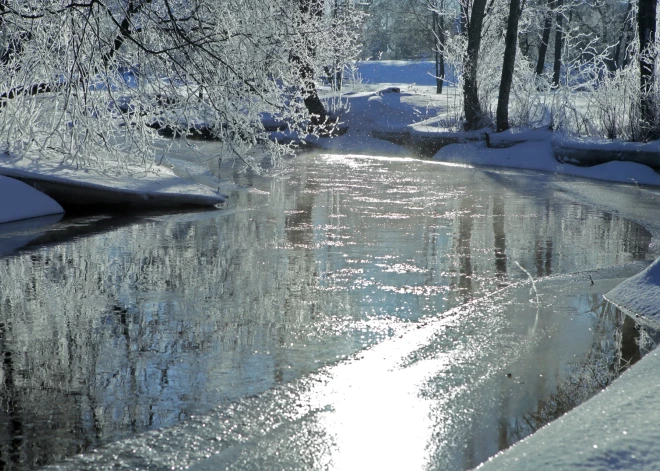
<point>349,313</point>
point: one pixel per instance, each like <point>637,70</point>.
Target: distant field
<point>402,72</point>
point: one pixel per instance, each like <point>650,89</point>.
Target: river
<point>345,312</point>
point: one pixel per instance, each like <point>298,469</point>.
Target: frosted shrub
<point>528,107</point>
<point>613,104</point>
<point>352,77</point>
<point>490,71</point>
<point>453,51</point>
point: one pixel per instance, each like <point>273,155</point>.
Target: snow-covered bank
<point>640,296</point>
<point>20,201</point>
<point>159,186</point>
<point>538,155</point>
<point>615,430</point>
<point>389,109</point>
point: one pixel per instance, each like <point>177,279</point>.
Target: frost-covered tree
<point>440,34</point>
<point>646,21</point>
<point>398,29</point>
<point>91,80</point>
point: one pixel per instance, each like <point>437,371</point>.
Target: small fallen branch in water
<point>531,278</point>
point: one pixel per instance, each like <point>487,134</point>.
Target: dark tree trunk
<point>646,23</point>
<point>617,60</point>
<point>439,34</point>
<point>559,34</point>
<point>545,39</point>
<point>510,43</point>
<point>471,106</point>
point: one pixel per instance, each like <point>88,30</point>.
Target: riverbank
<point>61,185</point>
<point>21,201</point>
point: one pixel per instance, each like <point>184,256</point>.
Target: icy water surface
<point>350,313</point>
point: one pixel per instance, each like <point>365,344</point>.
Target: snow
<point>21,201</point>
<point>374,105</point>
<point>538,155</point>
<point>640,295</point>
<point>388,109</point>
<point>400,72</point>
<point>168,184</point>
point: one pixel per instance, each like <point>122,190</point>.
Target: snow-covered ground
<point>374,105</point>
<point>20,201</point>
<point>169,184</point>
<point>538,155</point>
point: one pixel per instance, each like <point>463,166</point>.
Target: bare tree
<point>474,115</point>
<point>545,38</point>
<point>559,31</point>
<point>438,13</point>
<point>511,42</point>
<point>646,23</point>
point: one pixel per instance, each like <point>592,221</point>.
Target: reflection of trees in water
<point>503,375</point>
<point>490,232</point>
<point>500,239</point>
<point>135,329</point>
<point>618,343</point>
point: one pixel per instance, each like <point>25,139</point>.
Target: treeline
<point>584,66</point>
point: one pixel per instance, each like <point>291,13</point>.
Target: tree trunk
<point>439,34</point>
<point>646,23</point>
<point>559,31</point>
<point>510,44</point>
<point>617,61</point>
<point>545,39</point>
<point>471,106</point>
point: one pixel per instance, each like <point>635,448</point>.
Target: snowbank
<point>597,151</point>
<point>419,112</point>
<point>20,201</point>
<point>640,295</point>
<point>615,430</point>
<point>365,113</point>
<point>538,154</point>
<point>158,187</point>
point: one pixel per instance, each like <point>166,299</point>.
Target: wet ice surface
<point>238,337</point>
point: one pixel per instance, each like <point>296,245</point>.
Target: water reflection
<point>140,325</point>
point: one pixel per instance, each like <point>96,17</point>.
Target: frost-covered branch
<point>93,79</point>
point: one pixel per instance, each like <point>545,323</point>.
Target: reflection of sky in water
<point>140,325</point>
